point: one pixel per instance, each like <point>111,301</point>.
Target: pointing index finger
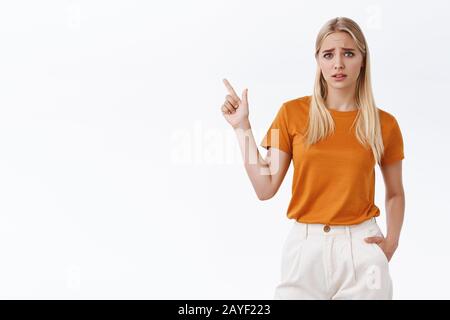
<point>230,88</point>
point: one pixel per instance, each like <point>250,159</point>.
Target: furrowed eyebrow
<point>331,50</point>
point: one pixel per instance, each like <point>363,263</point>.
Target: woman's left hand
<point>386,246</point>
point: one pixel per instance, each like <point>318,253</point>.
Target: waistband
<point>326,229</point>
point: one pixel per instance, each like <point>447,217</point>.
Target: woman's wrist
<point>391,244</point>
<point>245,125</point>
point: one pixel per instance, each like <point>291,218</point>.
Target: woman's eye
<point>351,54</point>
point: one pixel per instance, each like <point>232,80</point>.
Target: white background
<point>120,178</point>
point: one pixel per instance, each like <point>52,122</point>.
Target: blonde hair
<point>321,124</point>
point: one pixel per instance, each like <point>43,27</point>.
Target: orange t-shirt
<point>334,181</point>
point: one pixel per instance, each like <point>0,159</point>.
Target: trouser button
<point>326,228</point>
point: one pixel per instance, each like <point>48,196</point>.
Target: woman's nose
<point>338,63</point>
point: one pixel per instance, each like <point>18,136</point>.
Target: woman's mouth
<point>339,77</point>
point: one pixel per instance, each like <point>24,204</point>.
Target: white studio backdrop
<point>120,178</point>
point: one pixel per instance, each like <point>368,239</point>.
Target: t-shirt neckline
<point>343,114</point>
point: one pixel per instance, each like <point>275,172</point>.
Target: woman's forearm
<point>257,168</point>
<point>395,207</point>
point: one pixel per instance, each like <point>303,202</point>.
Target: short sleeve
<point>278,133</point>
<point>393,147</point>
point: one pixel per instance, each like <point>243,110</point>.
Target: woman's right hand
<point>234,109</point>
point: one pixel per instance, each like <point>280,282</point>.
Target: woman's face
<point>339,54</point>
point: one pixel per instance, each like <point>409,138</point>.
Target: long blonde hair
<point>321,124</point>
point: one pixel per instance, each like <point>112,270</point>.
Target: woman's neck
<point>340,101</point>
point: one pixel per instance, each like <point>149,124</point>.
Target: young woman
<point>335,248</point>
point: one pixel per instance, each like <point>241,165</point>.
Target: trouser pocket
<point>375,231</point>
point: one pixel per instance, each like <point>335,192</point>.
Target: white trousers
<point>334,262</point>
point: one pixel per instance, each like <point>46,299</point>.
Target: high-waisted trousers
<point>320,261</point>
